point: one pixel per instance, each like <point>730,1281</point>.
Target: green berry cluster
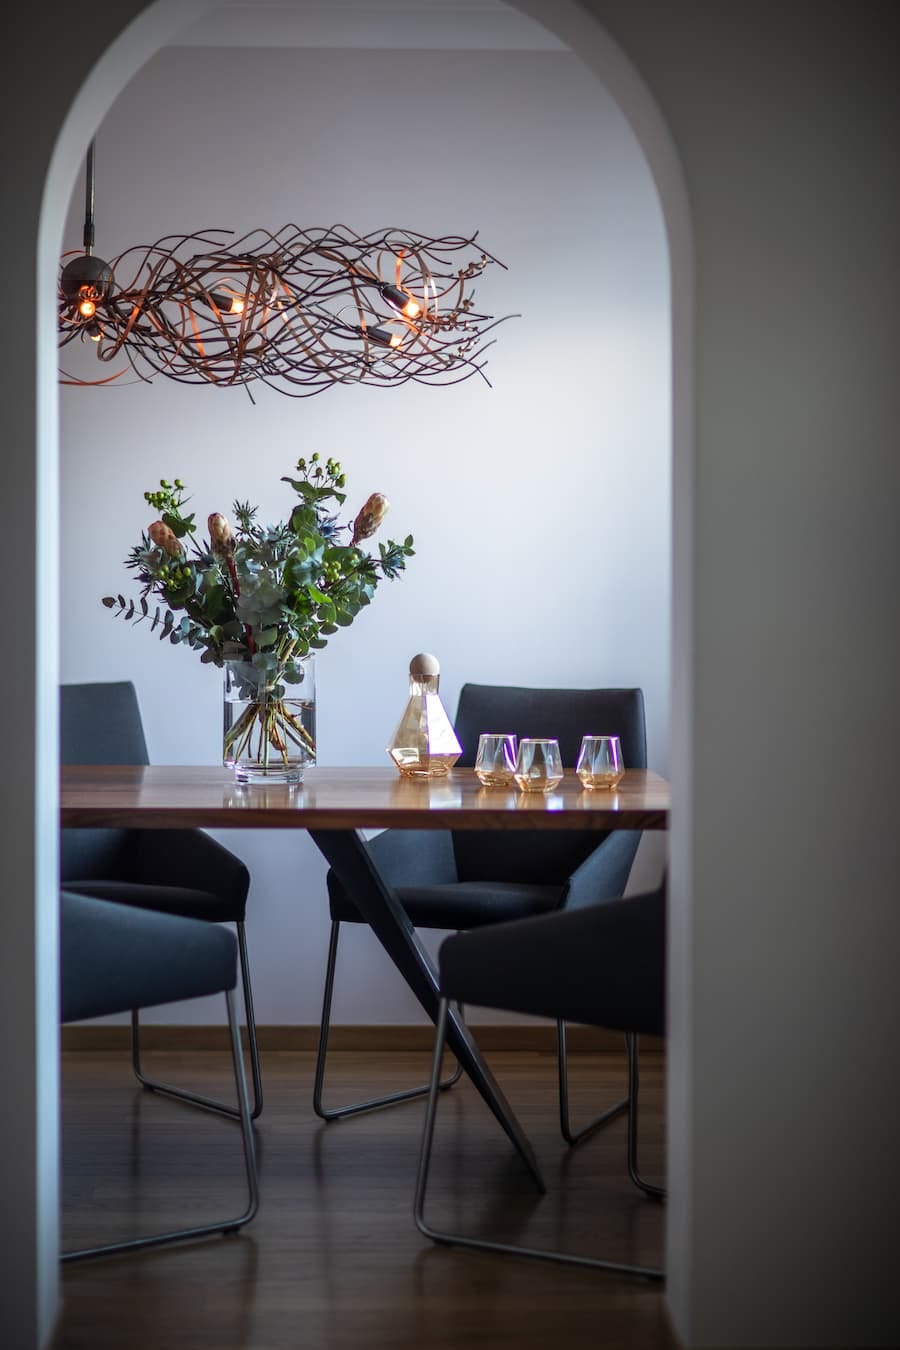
<point>333,472</point>
<point>175,576</point>
<point>169,497</point>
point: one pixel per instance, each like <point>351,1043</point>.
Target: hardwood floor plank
<point>333,1259</point>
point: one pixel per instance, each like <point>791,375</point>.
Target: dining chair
<point>116,957</point>
<point>464,879</point>
<point>603,966</point>
<point>181,872</point>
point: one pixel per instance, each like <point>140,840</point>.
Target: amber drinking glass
<point>600,762</point>
<point>538,765</point>
<point>495,762</point>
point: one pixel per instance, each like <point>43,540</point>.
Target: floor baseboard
<point>580,1040</point>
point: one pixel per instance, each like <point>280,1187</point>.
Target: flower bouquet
<point>259,601</point>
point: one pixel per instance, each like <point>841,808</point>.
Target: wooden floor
<point>333,1259</point>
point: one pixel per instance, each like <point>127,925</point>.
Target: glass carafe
<point>424,744</point>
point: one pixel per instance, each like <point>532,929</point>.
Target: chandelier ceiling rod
<point>88,236</point>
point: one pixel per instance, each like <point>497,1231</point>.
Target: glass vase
<point>270,720</point>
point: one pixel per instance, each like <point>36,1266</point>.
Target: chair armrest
<point>604,873</point>
<point>190,858</point>
<point>114,958</point>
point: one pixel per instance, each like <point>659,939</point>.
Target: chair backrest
<point>542,857</point>
<point>99,724</point>
<point>603,966</point>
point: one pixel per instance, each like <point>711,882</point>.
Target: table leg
<point>347,854</point>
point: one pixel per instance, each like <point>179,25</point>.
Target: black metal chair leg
<point>604,1118</point>
<point>194,1098</point>
<point>483,1244</point>
<point>204,1230</point>
<point>373,1103</point>
<point>249,1013</point>
<point>655,1192</point>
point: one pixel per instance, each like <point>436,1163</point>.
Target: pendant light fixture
<point>300,310</point>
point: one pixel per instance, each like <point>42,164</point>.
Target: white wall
<point>540,506</point>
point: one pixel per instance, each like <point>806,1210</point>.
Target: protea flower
<point>221,535</point>
<point>222,542</point>
<point>165,539</point>
<point>370,517</point>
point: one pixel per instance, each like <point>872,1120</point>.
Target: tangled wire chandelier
<point>300,309</point>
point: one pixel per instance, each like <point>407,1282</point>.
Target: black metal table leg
<point>347,854</point>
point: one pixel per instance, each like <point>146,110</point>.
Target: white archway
<point>95,68</point>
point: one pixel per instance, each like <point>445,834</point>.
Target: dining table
<point>338,806</point>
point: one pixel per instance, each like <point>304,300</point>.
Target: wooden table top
<point>349,798</point>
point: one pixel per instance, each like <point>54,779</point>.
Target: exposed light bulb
<point>383,337</point>
<point>86,307</point>
<point>407,306</point>
<point>225,302</point>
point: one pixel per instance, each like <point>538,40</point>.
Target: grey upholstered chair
<point>114,958</point>
<point>466,879</point>
<point>182,872</point>
<point>603,966</point>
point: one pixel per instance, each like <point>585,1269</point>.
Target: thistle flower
<point>221,535</point>
<point>370,517</point>
<point>165,539</point>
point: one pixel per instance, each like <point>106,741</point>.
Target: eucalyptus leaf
<point>179,525</point>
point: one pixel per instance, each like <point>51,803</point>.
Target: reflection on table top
<point>350,798</point>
